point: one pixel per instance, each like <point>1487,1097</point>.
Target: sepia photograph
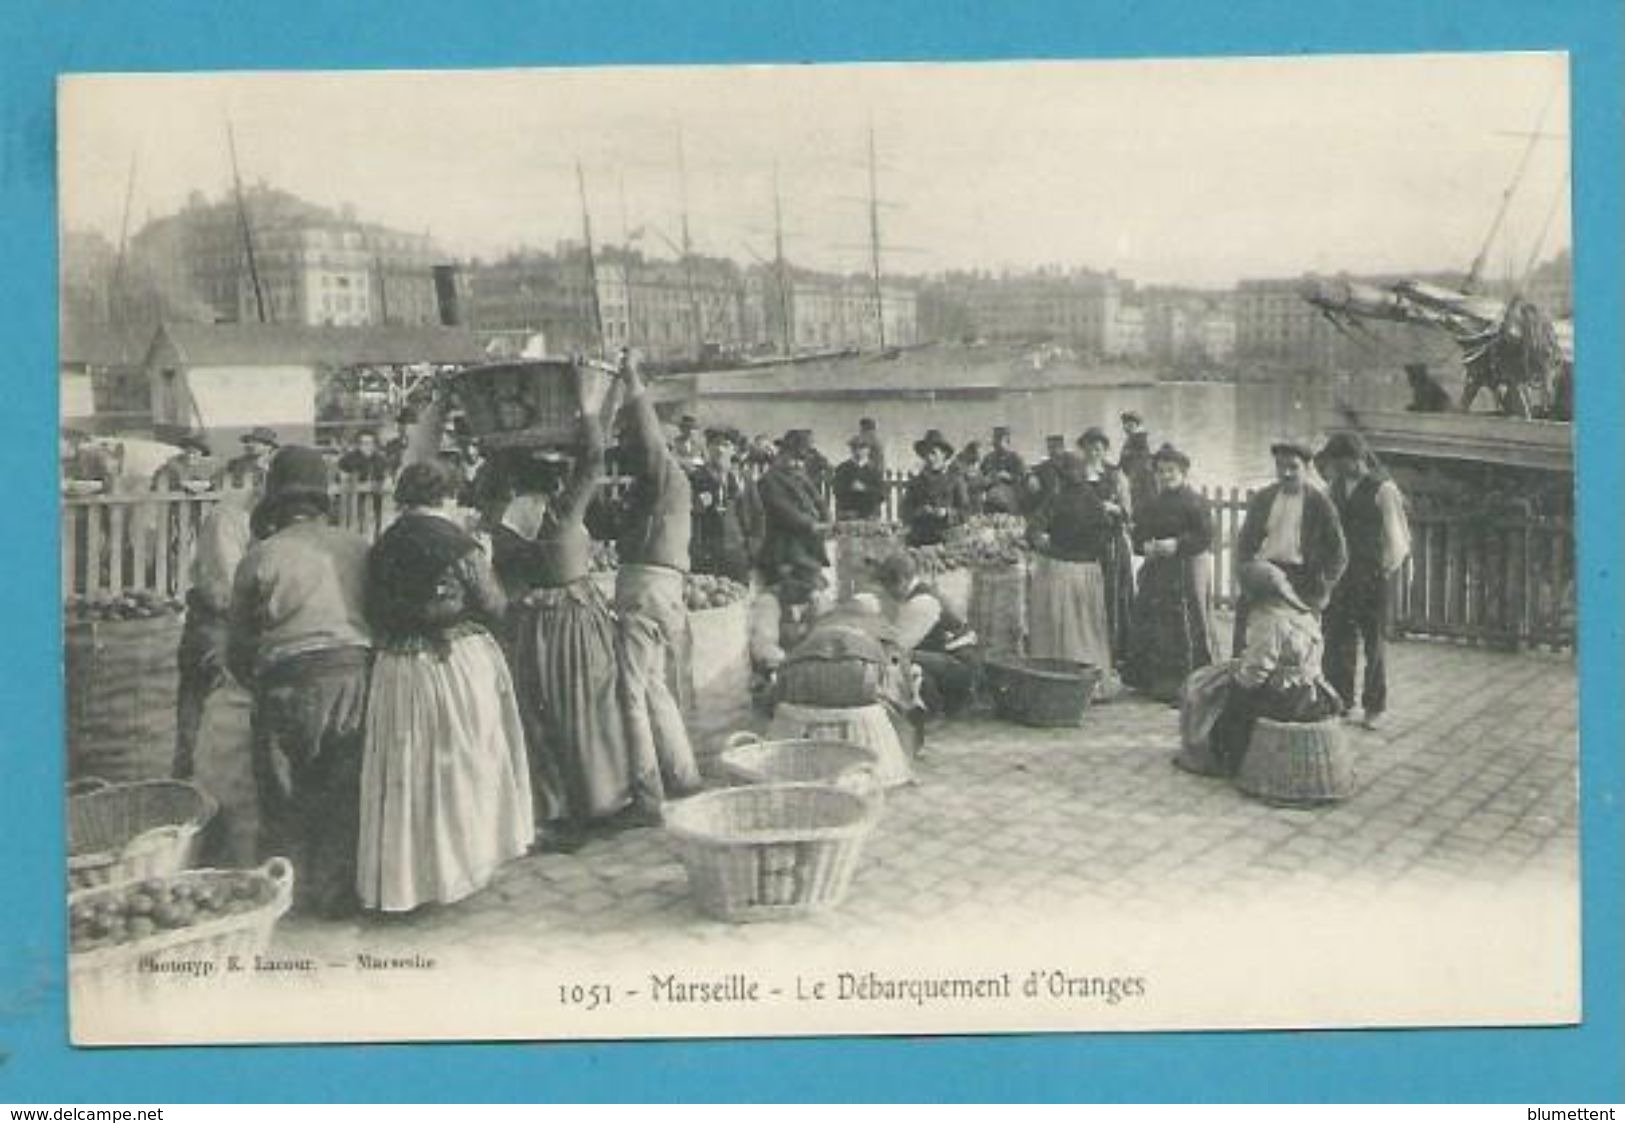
<point>830,549</point>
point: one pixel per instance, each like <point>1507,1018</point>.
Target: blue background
<point>47,38</point>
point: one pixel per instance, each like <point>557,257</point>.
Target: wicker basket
<point>117,972</point>
<point>1040,692</point>
<point>772,851</point>
<point>527,404</point>
<point>126,832</point>
<point>1297,764</point>
<point>829,682</point>
<point>122,683</point>
<point>998,606</point>
<point>748,759</point>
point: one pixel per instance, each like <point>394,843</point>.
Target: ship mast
<point>874,242</point>
<point>779,269</point>
<point>115,294</point>
<point>243,226</point>
<point>592,263</point>
<point>697,321</point>
<point>626,262</point>
<point>1475,273</point>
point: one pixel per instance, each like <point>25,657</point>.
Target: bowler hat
<point>261,435</point>
<point>1293,447</point>
<point>933,439</point>
<point>1000,431</point>
<point>1094,435</point>
<point>296,473</point>
<point>196,441</point>
<point>1173,456</point>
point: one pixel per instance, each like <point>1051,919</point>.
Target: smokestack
<point>445,294</point>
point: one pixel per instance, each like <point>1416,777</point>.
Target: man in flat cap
<point>1135,460</point>
<point>1002,473</point>
<point>248,470</point>
<point>1373,516</point>
<point>727,513</point>
<point>1295,526</point>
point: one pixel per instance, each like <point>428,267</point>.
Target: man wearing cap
<point>870,437</point>
<point>727,511</point>
<point>657,525</point>
<point>248,470</point>
<point>1135,460</point>
<point>797,516</point>
<point>1044,480</point>
<point>1002,473</point>
<point>1372,511</point>
<point>942,645</point>
<point>187,470</point>
<point>687,445</point>
<point>1294,526</point>
<point>935,499</point>
<point>299,639</point>
<point>860,487</point>
<point>366,462</point>
<point>395,449</point>
<point>817,466</point>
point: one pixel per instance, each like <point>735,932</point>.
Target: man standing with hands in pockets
<point>653,630</point>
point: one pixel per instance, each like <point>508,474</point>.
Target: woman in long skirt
<point>564,649</point>
<point>445,792</point>
<point>1067,617</point>
<point>1111,485</point>
<point>1173,630</point>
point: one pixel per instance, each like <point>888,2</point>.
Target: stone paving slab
<point>1472,783</point>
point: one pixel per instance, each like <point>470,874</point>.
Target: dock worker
<point>1135,461</point>
<point>797,517</point>
<point>939,642</point>
<point>1295,526</point>
<point>654,640</point>
<point>299,639</point>
<point>248,470</point>
<point>1002,472</point>
<point>1372,512</point>
<point>1044,478</point>
<point>366,462</point>
<point>870,436</point>
<point>860,488</point>
<point>936,499</point>
<point>187,470</point>
<point>728,519</point>
<point>688,445</point>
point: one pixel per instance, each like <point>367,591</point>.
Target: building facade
<point>314,266</point>
<point>1077,307</point>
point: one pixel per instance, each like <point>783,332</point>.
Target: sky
<point>1168,172</point>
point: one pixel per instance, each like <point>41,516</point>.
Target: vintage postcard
<point>798,550</point>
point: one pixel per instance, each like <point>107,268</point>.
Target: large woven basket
<point>125,971</point>
<point>1040,692</point>
<point>126,832</point>
<point>1297,764</point>
<point>748,759</point>
<point>771,851</point>
<point>829,682</point>
<point>998,606</point>
<point>122,683</point>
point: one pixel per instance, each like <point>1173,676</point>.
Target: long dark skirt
<point>1173,623</point>
<point>565,673</point>
<point>1117,567</point>
<point>309,731</point>
<point>1301,702</point>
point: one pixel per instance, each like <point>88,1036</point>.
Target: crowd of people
<point>427,707</point>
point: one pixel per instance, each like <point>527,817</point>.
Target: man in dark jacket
<point>1295,526</point>
<point>935,499</point>
<point>860,488</point>
<point>1372,511</point>
<point>797,517</point>
<point>1002,472</point>
<point>1135,460</point>
<point>1044,478</point>
<point>366,462</point>
<point>727,511</point>
<point>248,470</point>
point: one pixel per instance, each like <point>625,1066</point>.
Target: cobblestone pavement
<point>1472,783</point>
